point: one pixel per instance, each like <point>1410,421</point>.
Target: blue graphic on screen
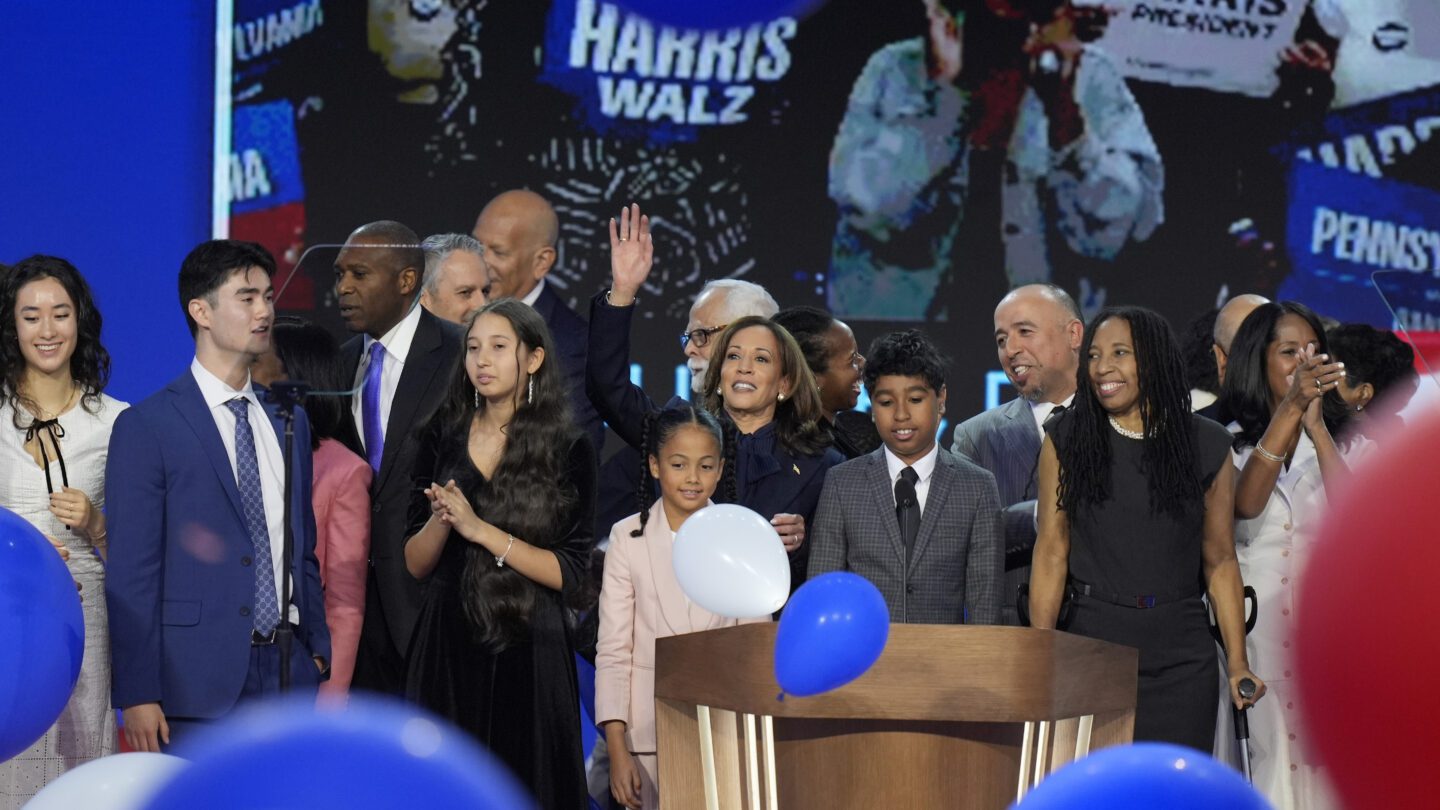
<point>1345,226</point>
<point>265,158</point>
<point>635,79</point>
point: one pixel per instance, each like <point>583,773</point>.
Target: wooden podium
<point>949,716</point>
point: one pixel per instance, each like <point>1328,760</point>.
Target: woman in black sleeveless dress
<point>1136,524</point>
<point>502,526</point>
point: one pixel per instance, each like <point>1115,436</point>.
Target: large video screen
<point>865,158</point>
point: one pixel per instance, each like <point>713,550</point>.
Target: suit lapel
<point>884,492</point>
<point>935,496</point>
<point>350,358</point>
<point>672,604</point>
<point>1021,443</point>
<point>191,405</point>
<point>415,381</point>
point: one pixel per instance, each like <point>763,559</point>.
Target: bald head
<point>377,275</point>
<point>1227,324</point>
<point>519,230</point>
<point>1038,331</point>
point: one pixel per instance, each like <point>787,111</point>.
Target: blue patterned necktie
<point>374,432</point>
<point>247,470</point>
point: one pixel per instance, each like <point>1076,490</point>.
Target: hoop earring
<point>530,392</point>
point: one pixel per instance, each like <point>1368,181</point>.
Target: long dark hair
<point>659,426</point>
<point>310,353</point>
<point>531,495</point>
<point>1246,393</point>
<point>89,365</point>
<point>1169,452</point>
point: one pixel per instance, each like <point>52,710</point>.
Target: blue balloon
<point>1145,776</point>
<point>714,15</point>
<point>833,629</point>
<point>42,634</point>
<point>378,752</point>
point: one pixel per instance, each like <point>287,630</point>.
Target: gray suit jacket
<point>1004,441</point>
<point>956,567</point>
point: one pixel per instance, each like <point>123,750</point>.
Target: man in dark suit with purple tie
<point>195,505</point>
<point>400,363</point>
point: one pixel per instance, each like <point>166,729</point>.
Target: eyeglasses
<point>701,337</point>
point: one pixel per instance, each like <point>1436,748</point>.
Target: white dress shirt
<point>397,347</point>
<point>1041,412</point>
<point>534,294</point>
<point>268,456</point>
<point>925,468</point>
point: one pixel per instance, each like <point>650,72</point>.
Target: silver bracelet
<point>1267,454</point>
<point>617,306</point>
<point>500,561</point>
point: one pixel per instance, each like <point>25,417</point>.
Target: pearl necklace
<point>1126,432</point>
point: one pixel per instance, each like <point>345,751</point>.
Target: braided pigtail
<point>645,495</point>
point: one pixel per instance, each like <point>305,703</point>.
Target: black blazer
<point>429,366</point>
<point>570,334</point>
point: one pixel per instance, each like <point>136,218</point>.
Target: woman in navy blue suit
<point>776,451</point>
<point>767,400</point>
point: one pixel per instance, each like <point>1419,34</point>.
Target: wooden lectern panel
<point>891,763</point>
<point>948,717</point>
<point>927,672</point>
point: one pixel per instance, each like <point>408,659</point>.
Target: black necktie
<point>907,508</point>
<point>1050,420</point>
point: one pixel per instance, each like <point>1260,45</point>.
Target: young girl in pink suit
<point>641,600</point>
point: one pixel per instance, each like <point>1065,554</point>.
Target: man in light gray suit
<point>1038,331</point>
<point>919,522</point>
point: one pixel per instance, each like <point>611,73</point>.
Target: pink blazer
<point>342,546</point>
<point>640,601</point>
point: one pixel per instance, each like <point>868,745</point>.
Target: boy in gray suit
<point>920,522</point>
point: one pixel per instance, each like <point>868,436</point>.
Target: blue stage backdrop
<point>106,110</point>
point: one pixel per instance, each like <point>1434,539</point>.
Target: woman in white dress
<point>1281,385</point>
<point>54,433</point>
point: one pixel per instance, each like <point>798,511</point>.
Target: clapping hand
<point>1311,379</point>
<point>632,254</point>
<point>453,509</point>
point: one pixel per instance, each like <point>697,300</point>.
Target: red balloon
<point>1368,644</point>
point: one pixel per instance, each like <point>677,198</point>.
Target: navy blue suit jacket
<point>181,582</point>
<point>570,333</point>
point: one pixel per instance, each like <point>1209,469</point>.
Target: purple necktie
<point>374,431</point>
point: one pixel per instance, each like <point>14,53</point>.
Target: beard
<point>697,375</point>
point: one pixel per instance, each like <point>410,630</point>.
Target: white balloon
<point>116,782</point>
<point>730,561</point>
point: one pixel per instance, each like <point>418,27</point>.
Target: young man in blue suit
<point>194,496</point>
<point>918,521</point>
